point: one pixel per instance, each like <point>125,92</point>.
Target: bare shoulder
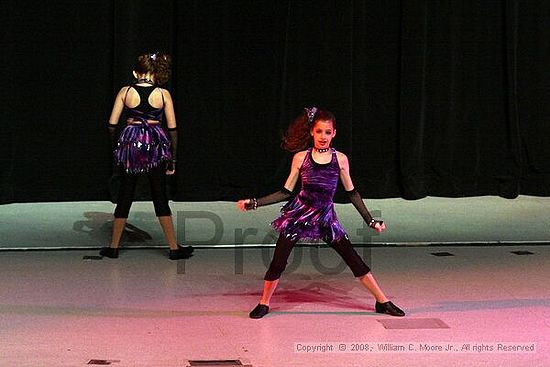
<point>122,93</point>
<point>301,154</point>
<point>341,155</point>
<point>165,92</point>
<point>342,158</point>
<point>124,89</point>
<point>299,157</point>
<point>166,95</point>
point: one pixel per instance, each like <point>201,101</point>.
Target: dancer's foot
<point>259,311</point>
<point>181,253</point>
<point>109,252</point>
<point>389,308</point>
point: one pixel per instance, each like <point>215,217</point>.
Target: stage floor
<point>476,306</point>
<point>471,274</point>
<point>429,221</point>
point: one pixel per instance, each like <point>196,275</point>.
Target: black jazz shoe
<point>389,308</point>
<point>181,253</point>
<point>109,252</point>
<point>259,311</point>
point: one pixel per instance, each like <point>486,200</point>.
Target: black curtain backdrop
<point>438,98</point>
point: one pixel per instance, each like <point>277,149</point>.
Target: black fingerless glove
<point>171,165</point>
<point>358,203</point>
<point>173,132</point>
<point>111,128</point>
<point>276,197</point>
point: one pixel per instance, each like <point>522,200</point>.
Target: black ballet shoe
<point>259,311</point>
<point>181,253</point>
<point>389,308</point>
<point>109,252</point>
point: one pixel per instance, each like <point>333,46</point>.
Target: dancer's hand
<point>379,226</point>
<point>242,204</point>
<point>170,168</point>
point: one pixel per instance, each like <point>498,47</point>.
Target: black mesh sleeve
<point>282,194</point>
<point>173,132</point>
<point>358,203</point>
<point>111,128</point>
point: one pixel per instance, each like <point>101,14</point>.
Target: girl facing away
<point>310,214</point>
<point>143,147</point>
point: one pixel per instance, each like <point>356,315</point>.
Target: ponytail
<point>158,64</point>
<point>162,65</point>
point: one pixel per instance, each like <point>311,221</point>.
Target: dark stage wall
<point>439,98</point>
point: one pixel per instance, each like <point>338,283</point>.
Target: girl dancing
<point>310,214</point>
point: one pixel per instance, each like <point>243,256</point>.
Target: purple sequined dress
<point>142,146</point>
<point>311,215</point>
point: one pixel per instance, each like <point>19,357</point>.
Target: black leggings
<point>157,181</point>
<point>343,247</point>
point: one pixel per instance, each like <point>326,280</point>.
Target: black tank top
<point>144,111</point>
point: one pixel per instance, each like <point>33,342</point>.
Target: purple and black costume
<point>143,148</point>
<point>311,215</point>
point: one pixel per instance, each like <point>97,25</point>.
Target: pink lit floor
<point>59,309</point>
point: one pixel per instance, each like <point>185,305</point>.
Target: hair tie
<point>310,114</point>
<point>153,56</point>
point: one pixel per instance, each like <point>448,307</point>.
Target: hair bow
<point>310,114</point>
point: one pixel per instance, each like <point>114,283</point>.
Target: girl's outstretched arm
<point>354,195</point>
<point>284,193</point>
